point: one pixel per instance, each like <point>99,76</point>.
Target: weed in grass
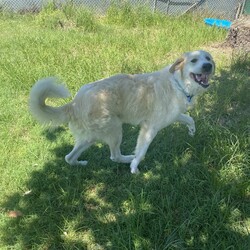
<point>133,16</point>
<point>240,61</point>
<point>67,16</point>
<point>51,17</point>
<point>86,20</point>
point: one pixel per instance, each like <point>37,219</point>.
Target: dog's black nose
<point>207,67</point>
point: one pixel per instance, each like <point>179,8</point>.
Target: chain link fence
<point>226,9</point>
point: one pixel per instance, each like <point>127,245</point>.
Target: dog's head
<point>194,69</point>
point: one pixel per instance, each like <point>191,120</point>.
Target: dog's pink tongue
<point>202,78</point>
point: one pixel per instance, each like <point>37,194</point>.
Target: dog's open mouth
<point>201,79</point>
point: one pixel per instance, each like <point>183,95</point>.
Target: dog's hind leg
<point>116,156</point>
<point>114,142</point>
<point>72,157</point>
<point>115,152</point>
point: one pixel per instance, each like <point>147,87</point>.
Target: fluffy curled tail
<point>45,114</point>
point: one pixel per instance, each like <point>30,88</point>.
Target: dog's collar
<point>178,85</point>
<point>189,97</point>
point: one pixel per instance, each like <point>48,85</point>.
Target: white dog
<point>152,101</point>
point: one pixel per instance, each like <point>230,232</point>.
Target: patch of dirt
<point>239,34</point>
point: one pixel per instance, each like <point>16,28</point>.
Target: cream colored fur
<point>152,101</point>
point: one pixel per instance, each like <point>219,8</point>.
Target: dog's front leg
<point>189,121</point>
<point>145,137</point>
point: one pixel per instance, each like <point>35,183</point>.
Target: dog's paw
<point>127,158</point>
<point>74,162</point>
<point>191,131</point>
<point>82,163</point>
<point>134,166</point>
<point>135,171</point>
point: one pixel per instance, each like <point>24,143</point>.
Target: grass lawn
<point>192,193</point>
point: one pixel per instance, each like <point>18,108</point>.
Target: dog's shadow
<point>82,207</point>
<point>51,134</point>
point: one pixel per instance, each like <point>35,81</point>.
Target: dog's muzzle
<point>207,68</point>
<point>203,78</point>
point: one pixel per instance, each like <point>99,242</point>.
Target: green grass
<point>192,193</point>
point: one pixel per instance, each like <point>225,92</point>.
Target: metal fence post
<point>155,4</point>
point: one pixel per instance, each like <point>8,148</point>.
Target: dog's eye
<point>208,58</point>
<point>194,60</point>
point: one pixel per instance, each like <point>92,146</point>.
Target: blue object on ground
<point>218,22</point>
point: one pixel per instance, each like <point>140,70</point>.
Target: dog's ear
<point>179,63</point>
